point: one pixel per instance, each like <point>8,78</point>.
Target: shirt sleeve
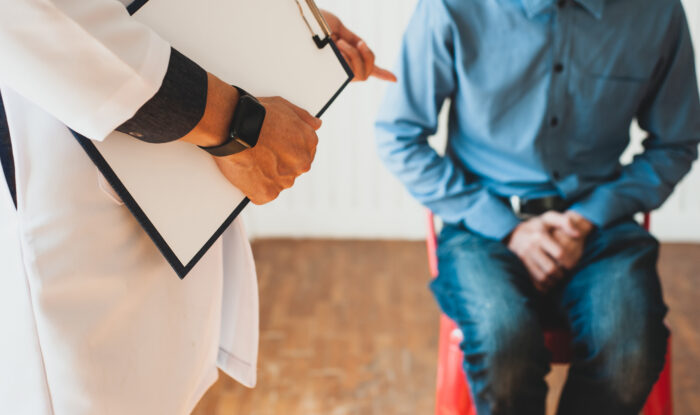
<point>86,62</point>
<point>409,115</point>
<point>176,108</point>
<point>670,114</point>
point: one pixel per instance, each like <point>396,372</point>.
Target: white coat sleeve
<point>86,62</point>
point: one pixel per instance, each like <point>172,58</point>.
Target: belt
<point>528,208</point>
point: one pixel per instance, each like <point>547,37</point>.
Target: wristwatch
<point>245,127</point>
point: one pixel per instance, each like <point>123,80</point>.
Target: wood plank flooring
<point>350,328</point>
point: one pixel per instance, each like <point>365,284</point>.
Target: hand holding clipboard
<point>176,191</point>
<point>355,51</point>
<point>260,173</point>
<point>285,150</point>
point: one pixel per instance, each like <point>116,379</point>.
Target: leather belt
<point>528,208</point>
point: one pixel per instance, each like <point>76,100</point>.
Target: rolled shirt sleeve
<point>409,114</point>
<point>94,68</point>
<point>176,108</point>
<point>86,62</point>
<point>670,115</point>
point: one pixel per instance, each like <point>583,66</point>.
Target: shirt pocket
<point>628,61</point>
<point>605,106</point>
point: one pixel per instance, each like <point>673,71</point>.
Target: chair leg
<point>453,396</point>
<point>660,401</point>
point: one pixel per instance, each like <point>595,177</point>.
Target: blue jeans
<point>611,302</point>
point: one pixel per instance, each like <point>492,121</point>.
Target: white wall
<point>348,193</point>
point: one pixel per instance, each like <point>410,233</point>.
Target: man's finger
<point>383,74</point>
<point>569,246</point>
<point>552,248</point>
<point>561,221</point>
<point>538,277</point>
<point>548,266</point>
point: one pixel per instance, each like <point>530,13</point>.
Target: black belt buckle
<point>528,208</point>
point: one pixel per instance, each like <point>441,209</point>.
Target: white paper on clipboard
<point>263,46</point>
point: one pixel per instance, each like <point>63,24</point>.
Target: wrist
<point>213,129</point>
<point>506,240</point>
<point>584,225</point>
<point>587,227</point>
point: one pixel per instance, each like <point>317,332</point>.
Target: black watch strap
<point>233,144</point>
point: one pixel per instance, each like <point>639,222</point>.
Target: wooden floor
<point>350,328</point>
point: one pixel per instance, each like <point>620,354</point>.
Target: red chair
<point>453,395</point>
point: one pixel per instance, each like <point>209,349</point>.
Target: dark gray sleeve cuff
<point>176,108</point>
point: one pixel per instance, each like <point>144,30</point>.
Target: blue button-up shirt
<point>542,94</point>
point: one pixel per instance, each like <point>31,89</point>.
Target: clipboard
<point>276,48</point>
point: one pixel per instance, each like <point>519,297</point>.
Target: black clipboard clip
<point>327,33</point>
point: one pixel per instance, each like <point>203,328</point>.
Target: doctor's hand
<point>355,51</point>
<point>285,150</point>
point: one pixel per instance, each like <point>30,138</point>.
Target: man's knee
<point>629,354</point>
<point>505,350</point>
<point>475,275</point>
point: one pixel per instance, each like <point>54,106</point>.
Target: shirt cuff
<point>603,208</point>
<point>491,217</point>
<point>176,108</point>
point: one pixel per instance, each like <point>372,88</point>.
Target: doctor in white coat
<point>92,318</point>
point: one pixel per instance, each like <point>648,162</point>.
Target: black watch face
<point>251,115</point>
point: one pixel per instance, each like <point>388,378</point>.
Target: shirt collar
<point>535,7</point>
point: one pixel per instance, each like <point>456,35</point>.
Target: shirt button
<point>559,68</point>
<point>554,121</point>
<point>556,175</point>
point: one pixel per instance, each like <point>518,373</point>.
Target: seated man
<point>538,209</point>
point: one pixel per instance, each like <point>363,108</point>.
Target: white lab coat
<point>92,318</point>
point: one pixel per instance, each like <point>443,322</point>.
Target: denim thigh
<point>486,290</point>
<point>478,275</point>
<point>616,311</point>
